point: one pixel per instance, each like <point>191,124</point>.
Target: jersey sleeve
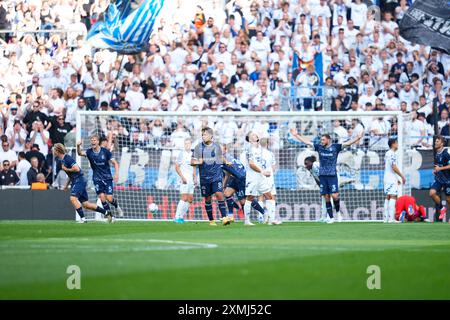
<point>89,154</point>
<point>218,153</point>
<point>197,154</point>
<point>392,159</point>
<point>338,147</point>
<point>250,155</point>
<point>273,160</point>
<point>109,155</point>
<point>69,162</point>
<point>316,146</point>
<point>446,158</point>
<point>316,168</point>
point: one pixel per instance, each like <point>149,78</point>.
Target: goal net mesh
<point>147,145</point>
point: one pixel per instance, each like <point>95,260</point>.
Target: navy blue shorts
<point>439,186</point>
<point>210,188</point>
<point>328,184</point>
<point>238,186</point>
<point>79,190</point>
<point>103,186</point>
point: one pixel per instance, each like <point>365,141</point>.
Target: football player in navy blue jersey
<point>441,176</point>
<point>100,159</point>
<point>78,193</point>
<point>328,154</point>
<point>209,159</point>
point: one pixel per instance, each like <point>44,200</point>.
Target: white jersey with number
<point>268,161</point>
<point>391,180</point>
<point>390,159</point>
<point>256,183</point>
<point>254,154</point>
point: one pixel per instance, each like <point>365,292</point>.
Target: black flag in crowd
<point>427,22</point>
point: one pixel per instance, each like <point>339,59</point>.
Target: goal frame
<point>341,115</point>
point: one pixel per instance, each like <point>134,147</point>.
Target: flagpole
<point>117,77</point>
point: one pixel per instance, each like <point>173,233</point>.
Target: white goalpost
<point>147,144</point>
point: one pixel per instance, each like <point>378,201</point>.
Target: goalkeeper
<point>407,209</point>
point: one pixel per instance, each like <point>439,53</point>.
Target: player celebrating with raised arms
<point>208,157</point>
<point>100,159</point>
<point>187,175</point>
<point>391,181</point>
<point>256,182</point>
<point>78,194</point>
<point>441,176</point>
<point>328,154</point>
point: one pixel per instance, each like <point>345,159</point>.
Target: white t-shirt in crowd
<point>22,169</point>
<point>135,98</point>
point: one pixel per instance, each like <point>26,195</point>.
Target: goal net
<point>147,145</point>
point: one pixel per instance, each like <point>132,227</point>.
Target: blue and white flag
<point>126,27</point>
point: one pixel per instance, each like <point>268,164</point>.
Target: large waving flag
<point>428,23</point>
<point>126,27</point>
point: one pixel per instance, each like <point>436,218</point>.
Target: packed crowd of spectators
<point>244,63</point>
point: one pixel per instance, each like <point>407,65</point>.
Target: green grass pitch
<point>160,260</point>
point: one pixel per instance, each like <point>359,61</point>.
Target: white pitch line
<point>70,244</point>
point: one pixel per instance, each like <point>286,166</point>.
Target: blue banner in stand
<point>126,27</point>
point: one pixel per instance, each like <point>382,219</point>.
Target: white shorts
<point>257,187</point>
<point>187,188</point>
<point>391,188</point>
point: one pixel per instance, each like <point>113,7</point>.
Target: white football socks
<point>392,209</point>
<point>270,205</point>
<point>182,208</point>
<point>186,208</point>
<point>386,210</point>
<point>323,214</point>
<point>247,210</point>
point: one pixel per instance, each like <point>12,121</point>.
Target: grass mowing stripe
<point>290,261</point>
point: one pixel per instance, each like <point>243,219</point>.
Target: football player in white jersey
<point>187,174</point>
<point>256,180</point>
<point>269,164</point>
<point>391,180</point>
